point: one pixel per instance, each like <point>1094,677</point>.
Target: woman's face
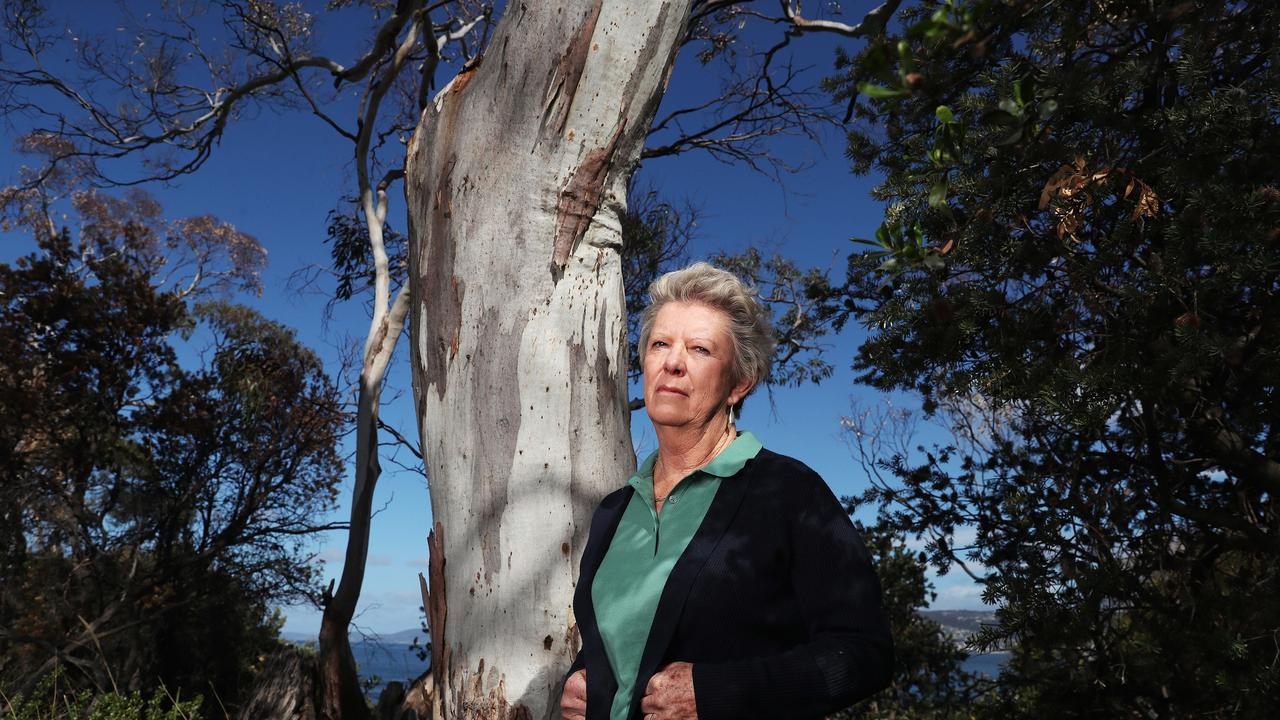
<point>688,366</point>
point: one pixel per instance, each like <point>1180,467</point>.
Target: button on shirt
<point>643,551</point>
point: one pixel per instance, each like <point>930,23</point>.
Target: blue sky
<point>277,175</point>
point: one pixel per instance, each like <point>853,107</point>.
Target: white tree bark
<point>515,182</point>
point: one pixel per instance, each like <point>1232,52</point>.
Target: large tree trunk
<point>516,179</point>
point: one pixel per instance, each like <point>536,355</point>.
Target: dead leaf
<point>1054,184</point>
<point>1148,204</point>
<point>1269,194</point>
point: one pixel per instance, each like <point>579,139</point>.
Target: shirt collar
<point>731,459</point>
<point>726,464</point>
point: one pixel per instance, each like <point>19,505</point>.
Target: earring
<point>731,418</point>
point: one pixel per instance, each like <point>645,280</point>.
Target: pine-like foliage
<point>1081,261</point>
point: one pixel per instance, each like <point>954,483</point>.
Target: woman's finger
<point>573,701</point>
<point>669,693</point>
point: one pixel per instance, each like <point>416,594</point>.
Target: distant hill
<point>396,638</point>
<point>959,625</point>
<point>388,656</point>
<point>400,636</point>
<point>379,658</point>
<point>300,638</point>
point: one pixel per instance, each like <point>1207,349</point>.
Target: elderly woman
<point>724,580</point>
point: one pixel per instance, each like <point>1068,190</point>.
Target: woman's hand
<point>669,694</point>
<point>573,701</point>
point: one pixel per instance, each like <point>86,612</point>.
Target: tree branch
<point>873,23</point>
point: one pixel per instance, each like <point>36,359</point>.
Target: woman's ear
<point>741,390</point>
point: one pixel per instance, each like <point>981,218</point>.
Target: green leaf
<point>880,92</point>
<point>883,237</point>
<point>1000,118</point>
<point>1012,138</point>
<point>938,193</point>
<point>933,261</point>
<point>944,114</point>
<point>944,147</point>
<point>917,236</point>
<point>905,62</point>
<point>875,63</point>
<point>928,29</point>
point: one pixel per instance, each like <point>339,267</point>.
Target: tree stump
<point>285,688</point>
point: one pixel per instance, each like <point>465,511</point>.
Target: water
<point>988,664</point>
<point>387,661</point>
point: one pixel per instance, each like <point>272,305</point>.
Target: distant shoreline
<point>391,657</point>
<point>954,620</point>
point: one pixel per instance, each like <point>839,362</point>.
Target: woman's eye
<point>702,350</point>
<point>657,343</point>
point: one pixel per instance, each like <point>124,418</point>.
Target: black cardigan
<point>774,602</point>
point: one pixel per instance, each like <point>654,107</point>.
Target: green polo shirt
<point>645,547</point>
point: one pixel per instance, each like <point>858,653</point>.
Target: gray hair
<point>750,326</point>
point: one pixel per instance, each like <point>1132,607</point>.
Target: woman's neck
<point>683,450</point>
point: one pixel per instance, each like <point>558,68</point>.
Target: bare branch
<point>163,114</point>
<point>748,111</point>
<point>873,23</point>
<point>401,440</point>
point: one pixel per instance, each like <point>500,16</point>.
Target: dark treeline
<point>152,509</point>
<point>1079,270</point>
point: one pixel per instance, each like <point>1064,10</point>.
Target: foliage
<point>151,507</point>
<point>805,308</point>
<point>1085,280</point>
<point>48,701</point>
<point>347,235</point>
<point>928,680</point>
<point>655,233</point>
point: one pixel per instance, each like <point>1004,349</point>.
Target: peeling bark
<point>515,181</point>
<point>437,610</point>
<point>562,81</point>
<point>580,198</point>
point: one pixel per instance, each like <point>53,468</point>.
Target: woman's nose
<point>673,362</point>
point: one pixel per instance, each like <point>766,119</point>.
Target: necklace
<point>659,499</point>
